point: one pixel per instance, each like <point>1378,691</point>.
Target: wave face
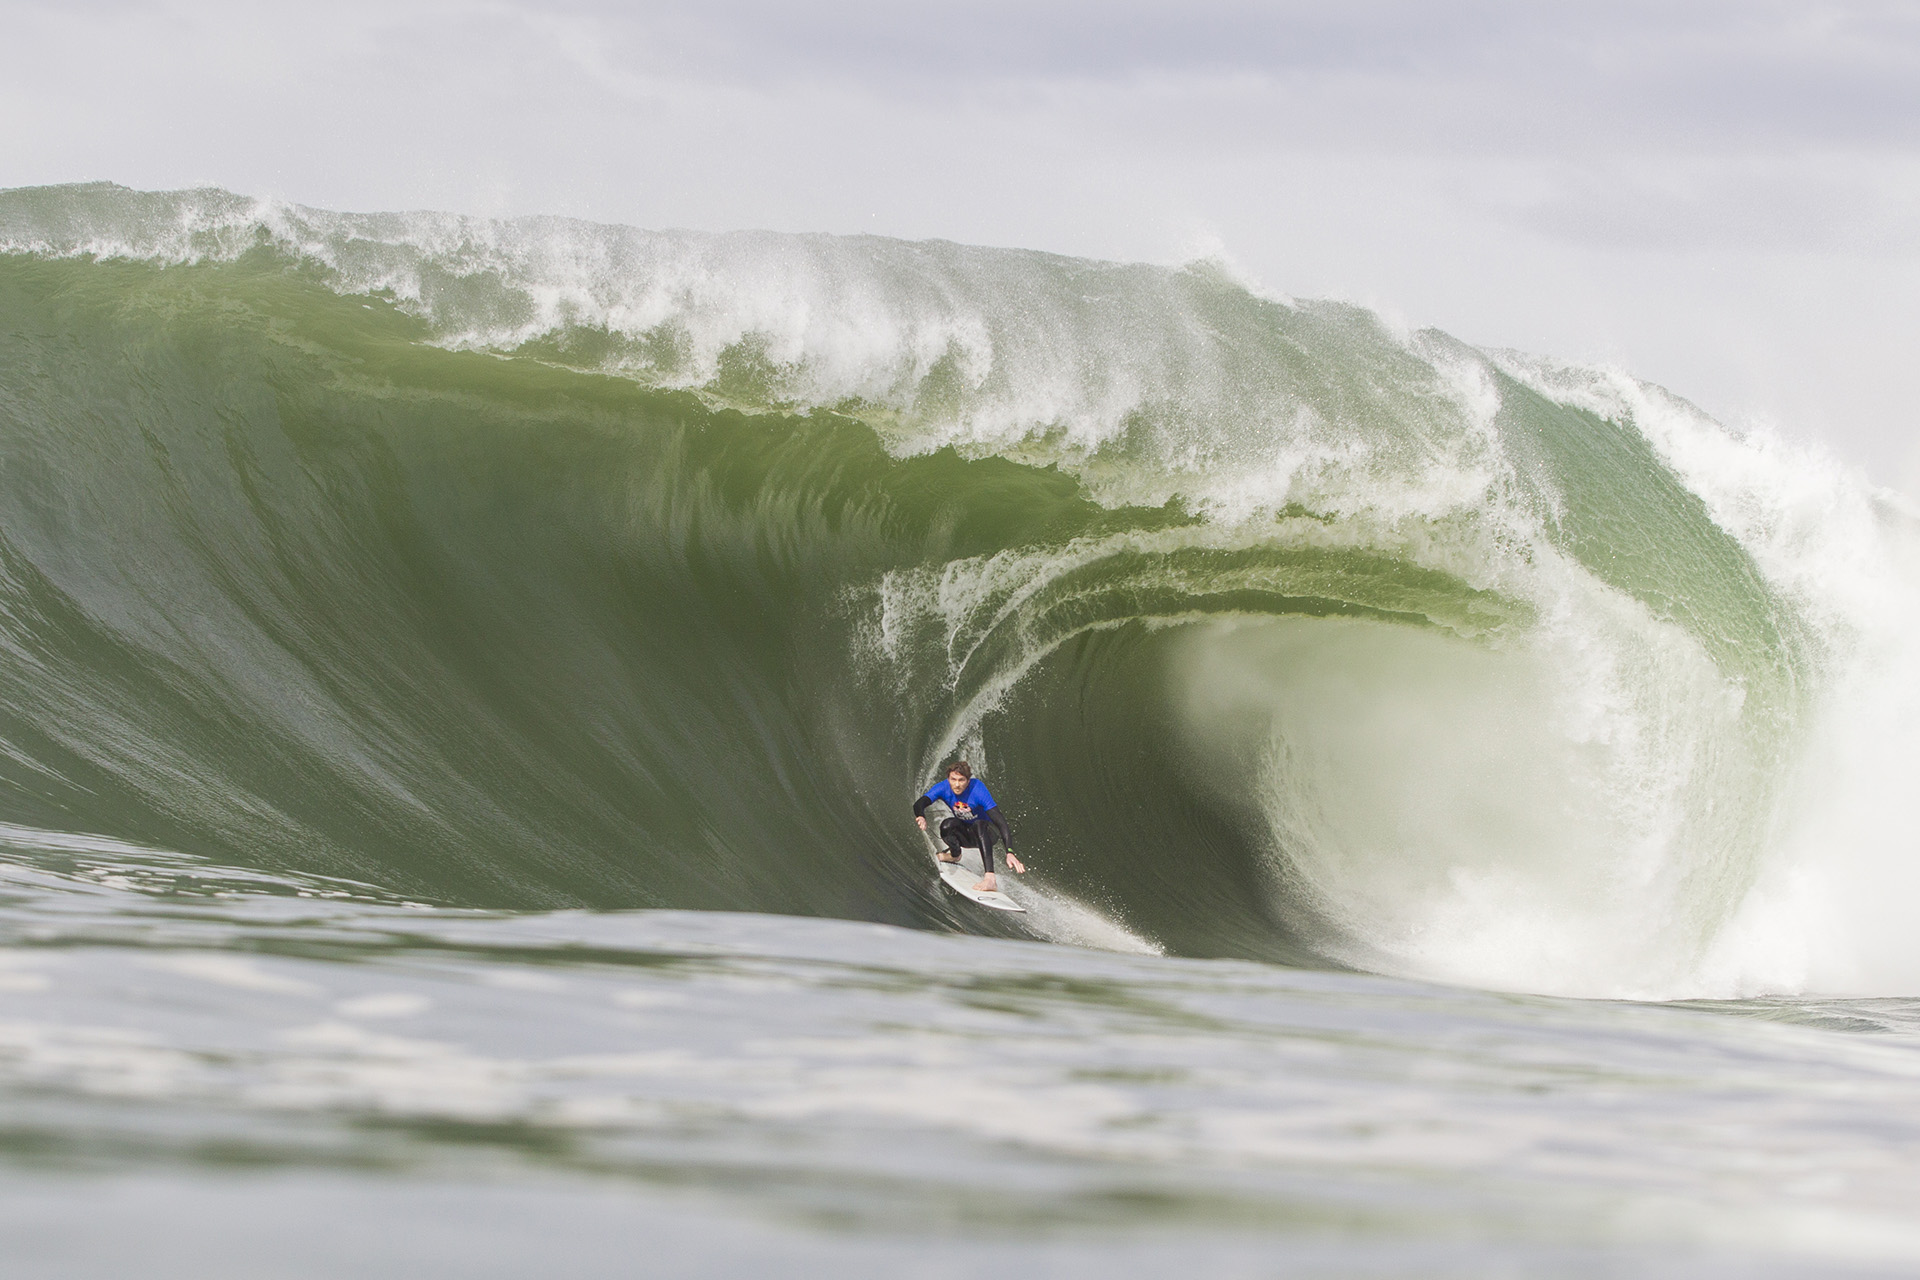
<point>538,563</point>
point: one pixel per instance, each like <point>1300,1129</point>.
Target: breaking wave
<point>540,563</point>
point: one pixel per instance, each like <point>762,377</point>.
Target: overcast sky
<point>1722,197</point>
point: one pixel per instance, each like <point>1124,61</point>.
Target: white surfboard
<point>962,876</point>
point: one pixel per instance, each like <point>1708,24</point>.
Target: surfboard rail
<point>962,876</point>
<point>961,879</point>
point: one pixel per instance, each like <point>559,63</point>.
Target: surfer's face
<point>958,781</point>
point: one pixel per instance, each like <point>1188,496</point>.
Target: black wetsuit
<point>975,833</point>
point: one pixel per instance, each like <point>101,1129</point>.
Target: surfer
<point>975,821</point>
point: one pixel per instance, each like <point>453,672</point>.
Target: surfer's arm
<point>920,810</point>
<point>999,822</point>
<point>993,815</point>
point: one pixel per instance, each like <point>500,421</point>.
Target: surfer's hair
<point>962,768</point>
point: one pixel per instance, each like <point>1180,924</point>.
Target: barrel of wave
<point>1547,813</point>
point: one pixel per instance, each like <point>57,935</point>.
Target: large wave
<point>539,563</point>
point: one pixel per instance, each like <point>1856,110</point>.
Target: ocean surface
<point>463,682</point>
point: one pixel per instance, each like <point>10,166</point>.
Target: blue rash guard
<point>975,818</point>
<point>970,805</point>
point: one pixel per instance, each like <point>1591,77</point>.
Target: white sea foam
<point>1830,906</point>
<point>939,344</point>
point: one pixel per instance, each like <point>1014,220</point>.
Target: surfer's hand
<point>1014,862</point>
<point>922,822</point>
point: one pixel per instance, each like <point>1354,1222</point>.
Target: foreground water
<point>204,1074</point>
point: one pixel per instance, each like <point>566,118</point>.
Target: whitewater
<point>463,682</point>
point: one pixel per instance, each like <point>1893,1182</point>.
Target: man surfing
<point>975,821</point>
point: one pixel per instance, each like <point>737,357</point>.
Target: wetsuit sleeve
<point>999,820</point>
<point>938,791</point>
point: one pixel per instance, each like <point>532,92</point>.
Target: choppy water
<point>205,1073</point>
<point>461,684</point>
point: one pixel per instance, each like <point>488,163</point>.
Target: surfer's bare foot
<point>987,885</point>
<point>944,858</point>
